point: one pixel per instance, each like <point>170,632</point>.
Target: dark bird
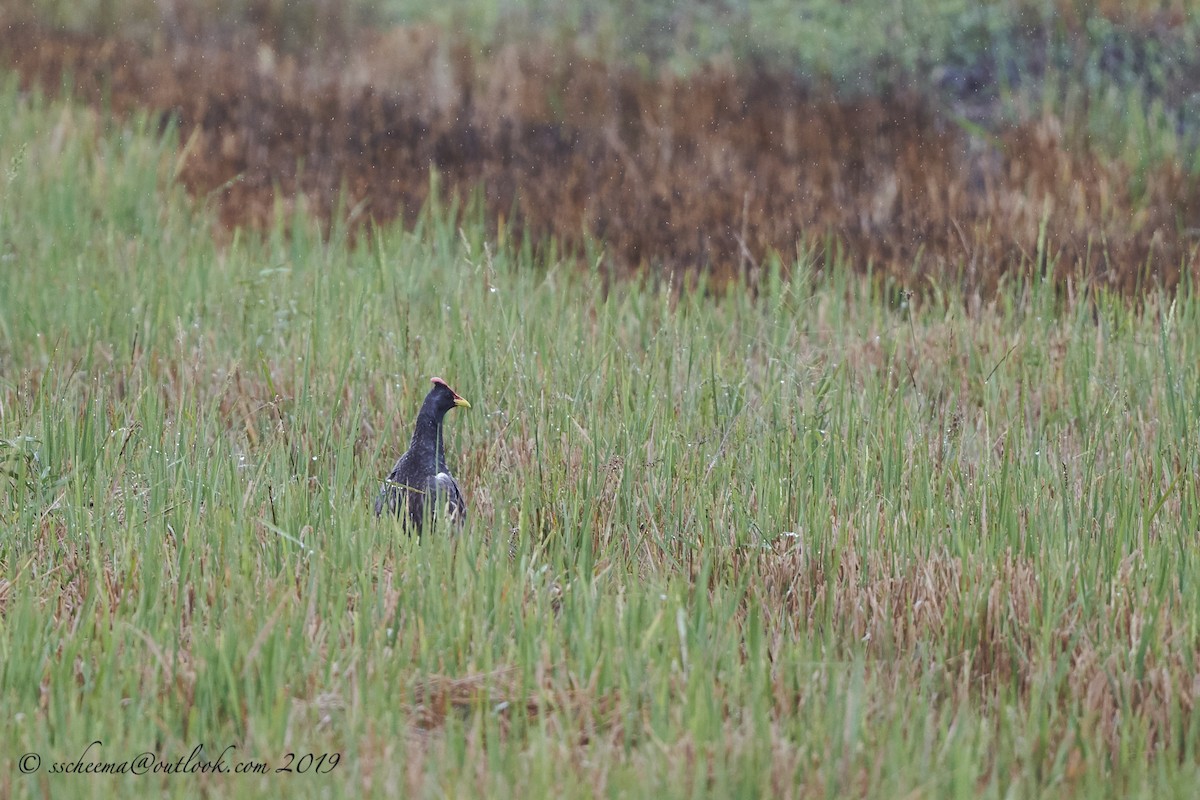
<point>420,484</point>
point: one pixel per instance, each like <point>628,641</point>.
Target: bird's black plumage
<point>420,485</point>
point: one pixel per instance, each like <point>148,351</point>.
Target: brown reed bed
<point>712,173</point>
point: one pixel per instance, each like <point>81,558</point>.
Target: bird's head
<point>444,398</point>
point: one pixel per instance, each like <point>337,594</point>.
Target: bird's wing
<point>449,497</point>
<point>396,497</point>
<point>399,496</point>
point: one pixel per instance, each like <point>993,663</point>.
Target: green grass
<point>798,541</point>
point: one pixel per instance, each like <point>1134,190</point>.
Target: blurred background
<point>933,141</point>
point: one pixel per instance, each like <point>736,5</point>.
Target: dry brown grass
<point>713,172</point>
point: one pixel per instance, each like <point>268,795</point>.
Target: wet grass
<point>814,540</point>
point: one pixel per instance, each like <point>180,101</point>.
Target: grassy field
<point>807,541</point>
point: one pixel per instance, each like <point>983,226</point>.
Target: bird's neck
<point>427,436</point>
